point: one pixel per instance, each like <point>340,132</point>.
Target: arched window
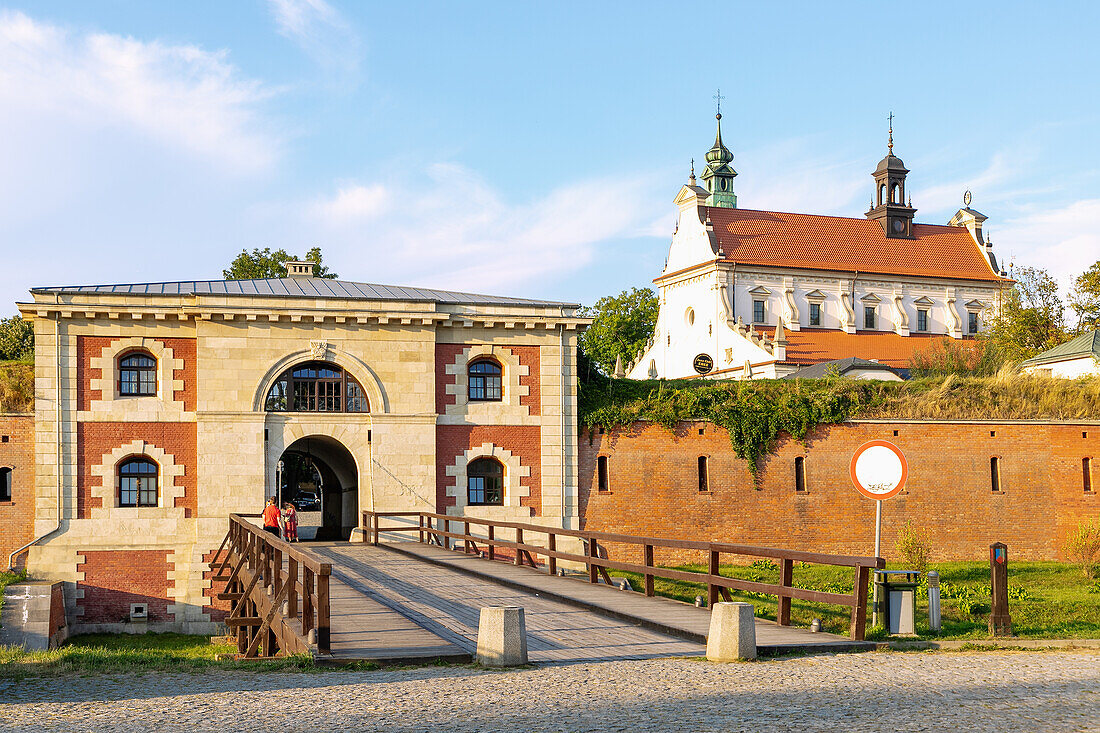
<point>483,379</point>
<point>894,198</point>
<point>137,374</point>
<point>137,482</point>
<point>485,482</point>
<point>316,386</point>
<point>5,483</point>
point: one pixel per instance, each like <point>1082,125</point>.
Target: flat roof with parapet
<point>301,287</point>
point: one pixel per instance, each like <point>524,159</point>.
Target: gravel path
<point>988,691</point>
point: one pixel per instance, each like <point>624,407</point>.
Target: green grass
<point>130,653</point>
<point>1047,600</point>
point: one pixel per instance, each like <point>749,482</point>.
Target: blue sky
<point>528,149</point>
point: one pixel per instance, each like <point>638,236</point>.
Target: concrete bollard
<point>501,637</point>
<point>732,633</point>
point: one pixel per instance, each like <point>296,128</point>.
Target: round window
<point>689,316</point>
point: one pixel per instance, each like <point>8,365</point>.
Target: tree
<point>1030,315</point>
<point>1085,298</point>
<point>16,339</point>
<point>263,263</point>
<point>621,327</point>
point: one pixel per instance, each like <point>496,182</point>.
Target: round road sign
<point>879,469</point>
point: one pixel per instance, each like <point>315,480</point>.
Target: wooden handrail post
<point>292,592</point>
<point>712,589</point>
<point>466,538</point>
<point>647,559</point>
<point>322,613</point>
<point>592,567</point>
<point>786,577</point>
<point>551,561</point>
<point>492,543</point>
<point>374,531</point>
<point>441,525</point>
<point>276,569</point>
<point>858,626</point>
<point>307,601</point>
<point>519,541</point>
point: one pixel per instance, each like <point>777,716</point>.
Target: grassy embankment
<point>16,386</point>
<point>1047,600</point>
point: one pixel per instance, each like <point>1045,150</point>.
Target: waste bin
<point>897,599</point>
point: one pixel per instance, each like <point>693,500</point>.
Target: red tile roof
<point>839,243</point>
<point>812,346</point>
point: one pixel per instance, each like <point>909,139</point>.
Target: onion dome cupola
<point>888,205</point>
<point>718,175</point>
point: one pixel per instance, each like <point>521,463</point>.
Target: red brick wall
<point>529,356</point>
<point>96,439</point>
<point>217,609</point>
<point>113,579</point>
<point>91,347</point>
<point>17,453</point>
<point>522,440</point>
<point>653,484</point>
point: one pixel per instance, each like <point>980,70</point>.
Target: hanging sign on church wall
<point>703,363</point>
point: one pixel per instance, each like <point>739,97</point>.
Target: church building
<point>748,294</point>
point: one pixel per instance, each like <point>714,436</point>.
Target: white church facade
<point>749,294</point>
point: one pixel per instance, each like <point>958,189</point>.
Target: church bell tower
<point>718,175</point>
<point>888,206</point>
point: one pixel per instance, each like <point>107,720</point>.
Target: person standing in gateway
<point>272,515</point>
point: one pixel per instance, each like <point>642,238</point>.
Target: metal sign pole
<point>878,538</point>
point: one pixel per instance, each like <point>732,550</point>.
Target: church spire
<point>718,174</point>
<point>888,205</point>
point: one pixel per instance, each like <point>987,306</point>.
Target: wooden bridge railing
<point>435,528</point>
<point>279,593</point>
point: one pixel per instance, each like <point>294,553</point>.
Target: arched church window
<point>137,374</point>
<point>483,378</point>
<point>485,482</point>
<point>894,194</point>
<point>881,194</point>
<point>316,386</point>
<point>137,482</point>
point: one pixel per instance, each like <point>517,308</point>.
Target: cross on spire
<point>718,98</point>
<point>890,145</point>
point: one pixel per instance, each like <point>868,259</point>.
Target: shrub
<point>1083,547</point>
<point>914,546</point>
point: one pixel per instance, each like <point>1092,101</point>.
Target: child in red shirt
<point>290,526</point>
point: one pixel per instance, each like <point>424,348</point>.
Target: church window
<point>869,317</point>
<point>5,484</point>
<point>601,474</point>
<point>316,386</point>
<point>894,194</point>
<point>137,482</point>
<point>922,319</point>
<point>881,193</point>
<point>758,311</point>
<point>972,322</point>
<point>704,484</point>
<point>483,381</point>
<point>815,314</point>
<point>485,483</point>
<point>137,374</point>
<point>800,474</point>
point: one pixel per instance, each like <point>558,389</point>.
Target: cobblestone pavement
<point>988,691</point>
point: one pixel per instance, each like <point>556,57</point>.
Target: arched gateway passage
<point>319,476</point>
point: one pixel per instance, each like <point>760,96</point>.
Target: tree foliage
<point>978,357</point>
<point>265,263</point>
<point>621,327</point>
<point>16,339</point>
<point>1030,316</point>
<point>1084,299</point>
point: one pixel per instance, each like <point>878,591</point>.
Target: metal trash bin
<point>897,599</point>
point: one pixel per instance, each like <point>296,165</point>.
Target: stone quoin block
<point>502,637</point>
<point>732,633</point>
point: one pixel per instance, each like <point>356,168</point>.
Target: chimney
<point>299,269</point>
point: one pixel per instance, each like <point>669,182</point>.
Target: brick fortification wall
<point>653,487</point>
<point>113,579</point>
<point>17,515</point>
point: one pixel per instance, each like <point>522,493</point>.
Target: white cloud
<point>179,95</point>
<point>1064,240</point>
<point>319,30</point>
<point>456,231</point>
<point>792,176</point>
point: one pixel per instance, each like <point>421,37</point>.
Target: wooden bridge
<point>414,590</point>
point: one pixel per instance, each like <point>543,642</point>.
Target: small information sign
<point>703,363</point>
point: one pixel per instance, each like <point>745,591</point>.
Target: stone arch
<point>368,380</point>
